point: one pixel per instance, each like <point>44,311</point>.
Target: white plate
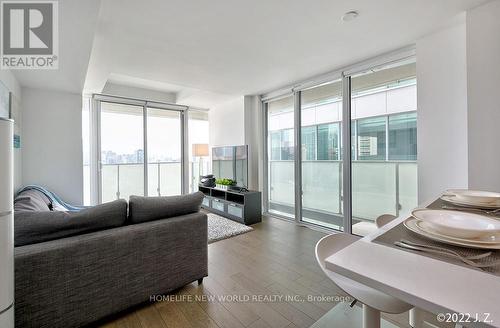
<point>455,201</point>
<point>489,239</point>
<point>411,224</point>
<point>458,224</point>
<point>476,196</point>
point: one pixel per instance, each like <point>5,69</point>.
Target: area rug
<point>220,228</point>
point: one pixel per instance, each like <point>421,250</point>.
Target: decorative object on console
<point>6,224</point>
<point>224,184</point>
<point>207,180</point>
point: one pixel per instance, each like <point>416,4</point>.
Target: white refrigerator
<point>6,223</point>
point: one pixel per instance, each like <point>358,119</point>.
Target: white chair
<point>364,228</point>
<point>384,219</point>
<point>415,315</point>
<point>373,301</point>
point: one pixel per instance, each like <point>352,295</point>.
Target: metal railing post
<point>398,205</point>
<point>298,157</point>
<point>347,160</point>
<point>145,148</point>
<point>266,185</point>
<point>340,188</point>
<point>118,181</point>
<point>158,189</point>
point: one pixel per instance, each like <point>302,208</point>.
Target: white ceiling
<point>208,51</point>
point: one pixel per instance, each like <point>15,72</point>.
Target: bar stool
<point>374,302</point>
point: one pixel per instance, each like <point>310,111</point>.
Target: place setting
<point>461,227</point>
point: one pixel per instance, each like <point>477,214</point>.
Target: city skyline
<point>137,157</point>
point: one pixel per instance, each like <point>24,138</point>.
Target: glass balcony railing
<point>377,188</point>
<point>123,180</point>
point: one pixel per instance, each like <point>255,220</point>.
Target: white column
<point>483,78</point>
<point>442,112</point>
<point>6,224</point>
<point>253,138</point>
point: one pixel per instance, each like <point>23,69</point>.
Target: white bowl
<point>477,196</point>
<point>458,224</point>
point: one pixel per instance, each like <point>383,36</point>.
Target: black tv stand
<point>244,207</point>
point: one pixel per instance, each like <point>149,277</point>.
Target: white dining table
<point>427,283</point>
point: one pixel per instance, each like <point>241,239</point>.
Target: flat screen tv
<point>231,162</point>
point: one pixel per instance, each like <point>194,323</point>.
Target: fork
<point>442,249</point>
<point>449,254</point>
<point>490,212</point>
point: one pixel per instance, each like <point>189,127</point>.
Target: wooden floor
<point>276,259</point>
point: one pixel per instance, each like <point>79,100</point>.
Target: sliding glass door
<point>345,183</point>
<point>164,152</point>
<point>141,150</point>
<point>281,156</point>
<point>321,116</point>
<point>384,169</point>
<point>122,151</point>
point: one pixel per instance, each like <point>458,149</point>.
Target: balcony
<point>378,187</point>
<point>123,180</point>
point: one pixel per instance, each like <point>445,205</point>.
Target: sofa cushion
<point>143,209</point>
<point>32,200</point>
<point>32,227</point>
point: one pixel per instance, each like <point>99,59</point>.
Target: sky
<point>122,133</point>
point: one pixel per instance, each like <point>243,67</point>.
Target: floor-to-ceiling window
<point>321,112</point>
<point>139,148</point>
<point>199,152</point>
<point>383,169</point>
<point>281,155</point>
<point>122,151</point>
<point>164,141</point>
<point>384,172</point>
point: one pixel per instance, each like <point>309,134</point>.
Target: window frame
<point>346,154</point>
<point>96,162</point>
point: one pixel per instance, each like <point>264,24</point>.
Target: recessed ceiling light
<point>349,16</point>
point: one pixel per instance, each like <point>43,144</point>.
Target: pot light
<point>349,16</point>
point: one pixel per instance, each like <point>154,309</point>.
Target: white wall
<point>239,122</point>
<point>52,142</point>
<point>442,112</point>
<point>254,140</point>
<point>483,72</point>
<point>227,123</point>
<point>139,93</point>
<point>10,81</point>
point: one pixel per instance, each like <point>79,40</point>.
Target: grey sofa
<point>77,280</point>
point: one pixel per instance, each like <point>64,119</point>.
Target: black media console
<point>244,207</point>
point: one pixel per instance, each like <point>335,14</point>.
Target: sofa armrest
<point>77,280</point>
